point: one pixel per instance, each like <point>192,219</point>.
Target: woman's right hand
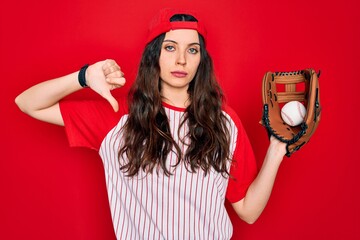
<point>104,76</point>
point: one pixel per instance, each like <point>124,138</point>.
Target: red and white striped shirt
<point>184,205</point>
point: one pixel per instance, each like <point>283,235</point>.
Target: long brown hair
<point>147,138</point>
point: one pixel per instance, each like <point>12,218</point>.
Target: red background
<point>51,191</point>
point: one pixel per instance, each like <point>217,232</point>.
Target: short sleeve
<point>243,168</point>
<point>87,122</point>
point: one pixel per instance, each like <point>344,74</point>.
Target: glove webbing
<point>289,79</point>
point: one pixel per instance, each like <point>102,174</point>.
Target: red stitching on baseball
<point>299,109</point>
<point>288,118</point>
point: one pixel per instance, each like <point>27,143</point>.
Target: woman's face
<point>179,60</point>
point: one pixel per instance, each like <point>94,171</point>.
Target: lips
<point>179,74</point>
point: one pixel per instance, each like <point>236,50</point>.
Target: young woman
<point>174,151</point>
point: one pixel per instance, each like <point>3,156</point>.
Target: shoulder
<point>231,114</point>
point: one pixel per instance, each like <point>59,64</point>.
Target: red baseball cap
<point>161,23</point>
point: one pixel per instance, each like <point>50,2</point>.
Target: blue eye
<point>193,50</point>
<point>169,48</point>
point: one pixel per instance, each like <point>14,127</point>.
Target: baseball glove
<point>302,86</point>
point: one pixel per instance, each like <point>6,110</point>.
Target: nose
<point>181,58</point>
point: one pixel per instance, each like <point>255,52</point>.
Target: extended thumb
<point>112,101</point>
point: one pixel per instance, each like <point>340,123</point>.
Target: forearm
<point>258,194</point>
<point>41,101</point>
<point>48,93</point>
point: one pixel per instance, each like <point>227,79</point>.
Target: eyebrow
<point>190,44</point>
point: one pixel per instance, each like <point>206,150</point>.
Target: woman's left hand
<point>277,149</point>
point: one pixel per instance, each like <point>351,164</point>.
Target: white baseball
<point>293,113</point>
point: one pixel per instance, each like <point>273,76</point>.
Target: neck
<point>176,98</point>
